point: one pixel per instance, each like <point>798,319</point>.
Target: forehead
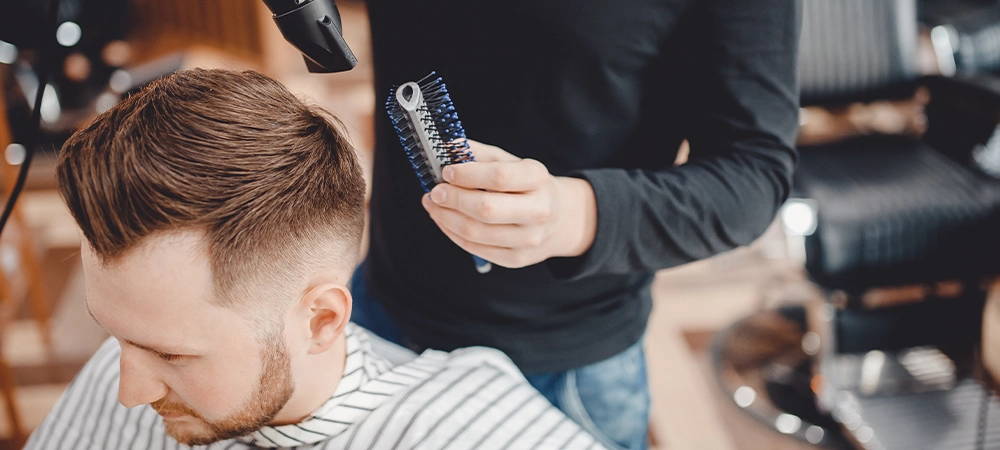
<point>160,292</point>
<point>167,263</point>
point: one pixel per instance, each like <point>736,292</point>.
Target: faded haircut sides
<point>272,182</point>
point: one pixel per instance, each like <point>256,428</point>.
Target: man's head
<point>222,218</point>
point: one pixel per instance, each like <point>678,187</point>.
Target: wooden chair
<point>20,279</point>
<point>21,258</point>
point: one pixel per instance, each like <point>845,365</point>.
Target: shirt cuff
<point>614,200</point>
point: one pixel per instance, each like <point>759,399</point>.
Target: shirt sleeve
<point>741,125</point>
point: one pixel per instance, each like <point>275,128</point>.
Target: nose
<point>138,384</point>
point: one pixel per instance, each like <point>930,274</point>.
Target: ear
<point>329,308</point>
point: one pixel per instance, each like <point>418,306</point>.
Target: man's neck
<point>320,377</point>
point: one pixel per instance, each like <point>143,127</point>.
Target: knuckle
<point>486,210</point>
<point>507,262</point>
<point>520,260</point>
<point>543,214</point>
<point>536,168</point>
<point>469,231</point>
<point>502,176</point>
<point>534,239</point>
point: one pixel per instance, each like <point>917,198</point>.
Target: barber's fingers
<point>501,176</point>
<point>497,170</point>
<point>472,230</point>
<point>490,153</point>
<point>501,256</point>
<point>492,207</point>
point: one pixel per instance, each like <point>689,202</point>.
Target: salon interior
<point>866,317</point>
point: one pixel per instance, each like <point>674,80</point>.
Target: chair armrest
<point>963,112</point>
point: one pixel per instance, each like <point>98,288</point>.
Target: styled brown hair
<point>272,182</point>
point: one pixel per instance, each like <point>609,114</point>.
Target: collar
<point>349,404</point>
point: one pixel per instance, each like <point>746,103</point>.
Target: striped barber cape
<point>473,398</point>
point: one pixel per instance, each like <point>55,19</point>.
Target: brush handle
<point>416,125</point>
<point>482,265</point>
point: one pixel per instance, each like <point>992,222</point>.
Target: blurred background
<point>855,321</point>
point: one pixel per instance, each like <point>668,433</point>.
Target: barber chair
<point>901,239</point>
<point>965,34</point>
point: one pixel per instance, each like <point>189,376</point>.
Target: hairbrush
<point>430,132</point>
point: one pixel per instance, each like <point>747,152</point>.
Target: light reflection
<point>810,343</point>
<point>788,423</point>
<point>105,101</point>
<point>120,81</point>
<point>50,108</point>
<point>744,396</point>
<point>864,434</point>
<point>798,217</point>
<point>8,53</point>
<point>814,434</point>
<point>68,34</point>
<point>14,154</point>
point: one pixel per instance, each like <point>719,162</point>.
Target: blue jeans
<point>609,399</point>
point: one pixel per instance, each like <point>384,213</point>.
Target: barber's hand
<point>511,211</point>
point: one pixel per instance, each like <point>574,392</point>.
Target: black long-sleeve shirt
<point>604,90</point>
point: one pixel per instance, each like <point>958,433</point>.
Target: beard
<point>273,391</point>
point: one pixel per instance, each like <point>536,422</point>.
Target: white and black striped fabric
<point>473,398</point>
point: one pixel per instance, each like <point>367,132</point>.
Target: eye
<point>169,357</point>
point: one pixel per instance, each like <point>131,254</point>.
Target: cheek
<point>298,358</point>
<point>216,391</point>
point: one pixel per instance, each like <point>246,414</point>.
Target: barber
<point>575,199</point>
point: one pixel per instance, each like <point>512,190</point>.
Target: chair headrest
<point>852,50</point>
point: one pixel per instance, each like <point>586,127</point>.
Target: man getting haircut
<point>222,219</point>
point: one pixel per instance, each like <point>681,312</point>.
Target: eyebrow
<point>147,348</point>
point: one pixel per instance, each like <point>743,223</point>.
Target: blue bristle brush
<point>432,136</point>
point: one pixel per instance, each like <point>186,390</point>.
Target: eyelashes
<point>169,357</point>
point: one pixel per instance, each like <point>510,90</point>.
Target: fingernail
<point>439,195</point>
<point>448,174</point>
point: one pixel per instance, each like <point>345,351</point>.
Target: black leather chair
<point>893,217</point>
<point>890,211</point>
<point>965,33</point>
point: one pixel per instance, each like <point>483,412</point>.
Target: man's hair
<point>271,182</point>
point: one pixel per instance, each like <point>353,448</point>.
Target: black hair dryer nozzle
<point>313,26</point>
